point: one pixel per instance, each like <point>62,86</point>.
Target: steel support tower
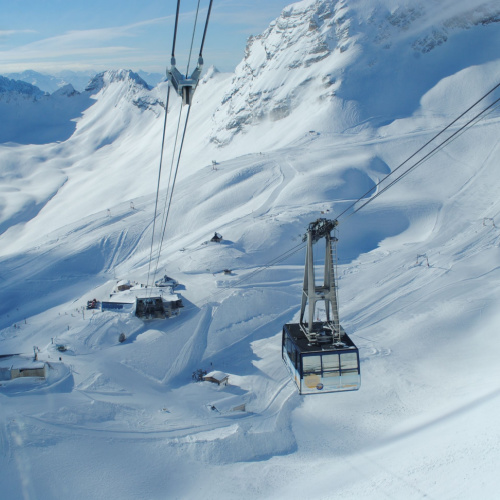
<point>329,331</point>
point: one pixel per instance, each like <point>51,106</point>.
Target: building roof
<point>18,362</point>
<point>130,296</point>
<point>217,375</point>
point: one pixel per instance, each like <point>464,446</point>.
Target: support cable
<point>158,184</point>
<point>192,38</point>
<point>171,192</point>
<point>422,160</point>
<point>418,150</point>
<point>175,27</point>
<point>162,147</point>
<point>166,196</point>
<point>205,30</point>
<point>170,188</point>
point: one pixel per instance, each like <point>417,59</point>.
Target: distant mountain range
<point>78,79</point>
<point>326,65</point>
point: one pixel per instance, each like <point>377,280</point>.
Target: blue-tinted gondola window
<point>349,361</point>
<point>311,364</point>
<point>289,348</point>
<point>350,369</point>
<point>331,366</point>
<point>291,352</point>
<point>330,362</point>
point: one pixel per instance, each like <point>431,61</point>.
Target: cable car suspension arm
<point>185,85</point>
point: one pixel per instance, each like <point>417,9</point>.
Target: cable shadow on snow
<point>466,408</point>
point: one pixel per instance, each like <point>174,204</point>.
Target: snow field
<point>125,420</point>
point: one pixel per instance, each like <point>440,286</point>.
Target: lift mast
<point>328,332</point>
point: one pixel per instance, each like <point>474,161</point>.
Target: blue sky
<point>56,35</point>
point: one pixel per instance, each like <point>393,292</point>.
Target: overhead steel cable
<point>419,150</point>
<point>166,199</point>
<point>170,196</point>
<point>171,187</point>
<point>476,118</point>
<point>175,26</point>
<point>205,30</point>
<point>158,184</point>
<point>192,38</point>
<point>162,147</point>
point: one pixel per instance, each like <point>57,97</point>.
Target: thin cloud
<point>15,32</point>
<point>110,45</point>
<point>74,39</point>
<point>96,36</point>
<point>81,43</point>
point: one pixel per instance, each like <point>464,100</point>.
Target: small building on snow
<point>216,377</point>
<point>216,238</point>
<point>12,367</point>
<point>123,285</point>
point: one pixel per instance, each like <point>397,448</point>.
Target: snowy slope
<point>125,420</point>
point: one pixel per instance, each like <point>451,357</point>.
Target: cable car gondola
<point>319,355</point>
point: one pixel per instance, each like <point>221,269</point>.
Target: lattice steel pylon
<point>311,293</point>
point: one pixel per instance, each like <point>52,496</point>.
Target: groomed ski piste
<point>419,282</point>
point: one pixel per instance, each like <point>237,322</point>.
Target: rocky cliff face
<point>426,24</point>
<point>297,54</point>
<point>344,53</point>
<point>106,78</point>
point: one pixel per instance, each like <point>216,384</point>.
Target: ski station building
<point>158,302</point>
<point>15,366</point>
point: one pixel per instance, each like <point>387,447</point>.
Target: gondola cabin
<point>320,367</point>
<point>319,355</point>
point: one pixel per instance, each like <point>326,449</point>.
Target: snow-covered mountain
<point>32,116</point>
<point>78,79</point>
<point>9,88</point>
<point>333,96</point>
<point>332,63</point>
<point>106,78</point>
